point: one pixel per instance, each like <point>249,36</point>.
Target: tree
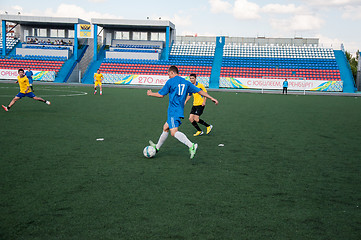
<point>353,61</point>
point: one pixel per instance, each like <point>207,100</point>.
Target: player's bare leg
<point>7,108</point>
<point>194,119</point>
<point>42,100</point>
<point>13,102</point>
<point>200,121</point>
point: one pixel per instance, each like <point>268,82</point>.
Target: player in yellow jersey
<point>199,103</point>
<point>25,91</point>
<point>98,78</point>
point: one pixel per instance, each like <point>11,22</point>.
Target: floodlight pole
<point>95,36</point>
<point>76,41</point>
<point>167,41</point>
<point>4,37</point>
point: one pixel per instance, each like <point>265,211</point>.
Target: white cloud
<point>297,23</point>
<point>219,6</point>
<point>335,43</point>
<point>306,22</point>
<point>281,9</point>
<point>181,21</point>
<point>352,12</point>
<point>246,10</point>
<point>327,42</point>
<point>333,3</point>
<point>97,1</point>
<point>73,11</point>
<point>17,9</point>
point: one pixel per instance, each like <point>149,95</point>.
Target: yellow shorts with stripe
<point>96,83</point>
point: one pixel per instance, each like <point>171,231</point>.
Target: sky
<point>334,22</point>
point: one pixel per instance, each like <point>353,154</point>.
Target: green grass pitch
<point>289,168</point>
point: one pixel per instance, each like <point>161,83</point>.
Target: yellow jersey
<point>197,98</point>
<point>98,77</point>
<point>24,84</point>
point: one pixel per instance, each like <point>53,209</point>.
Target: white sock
<point>183,139</point>
<point>162,139</point>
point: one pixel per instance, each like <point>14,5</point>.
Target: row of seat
<point>313,63</point>
<point>23,62</point>
<point>31,63</point>
<point>139,66</point>
<point>137,46</point>
<point>35,64</point>
<point>280,62</point>
<point>257,72</point>
<point>11,61</point>
<point>253,51</point>
<point>315,74</point>
<point>151,69</point>
<point>38,57</point>
<point>136,50</point>
<point>10,43</point>
<point>193,49</point>
<point>48,47</point>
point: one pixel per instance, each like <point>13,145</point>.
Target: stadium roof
<point>47,22</point>
<point>123,24</point>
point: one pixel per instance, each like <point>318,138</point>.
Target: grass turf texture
<point>290,168</point>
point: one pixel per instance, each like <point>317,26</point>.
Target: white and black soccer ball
<point>149,152</point>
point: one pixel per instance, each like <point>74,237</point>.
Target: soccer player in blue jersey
<point>178,89</point>
<point>29,74</point>
<point>285,86</point>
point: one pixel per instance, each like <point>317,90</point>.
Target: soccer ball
<point>149,152</point>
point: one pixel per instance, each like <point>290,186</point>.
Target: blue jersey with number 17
<point>178,89</point>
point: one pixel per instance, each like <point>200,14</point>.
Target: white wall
<point>42,52</point>
<point>132,55</point>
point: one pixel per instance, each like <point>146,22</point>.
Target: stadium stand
<point>10,44</point>
<point>46,47</point>
<point>194,49</point>
<point>36,63</point>
<point>190,58</point>
<point>49,41</point>
<point>135,50</point>
<point>312,63</point>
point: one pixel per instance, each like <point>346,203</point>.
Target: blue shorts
<point>29,94</point>
<point>30,80</point>
<point>174,122</point>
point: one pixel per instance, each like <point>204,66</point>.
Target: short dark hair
<point>20,70</point>
<point>193,75</point>
<point>173,69</point>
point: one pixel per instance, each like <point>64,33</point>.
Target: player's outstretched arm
<point>154,94</point>
<point>204,94</point>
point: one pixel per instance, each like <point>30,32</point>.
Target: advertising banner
<point>48,76</point>
<point>151,80</point>
<point>257,83</point>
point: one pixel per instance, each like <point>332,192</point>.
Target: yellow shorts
<point>96,83</point>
